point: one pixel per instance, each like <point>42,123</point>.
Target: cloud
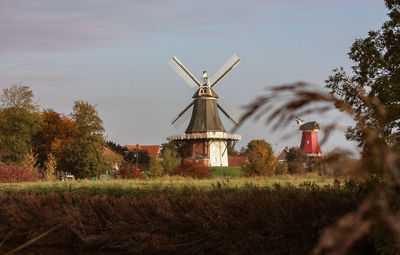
<point>58,25</point>
<point>44,25</point>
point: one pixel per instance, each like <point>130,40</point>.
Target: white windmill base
<point>216,153</point>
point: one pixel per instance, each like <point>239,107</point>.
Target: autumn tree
<point>260,159</point>
<point>19,120</point>
<point>55,134</point>
<point>84,157</point>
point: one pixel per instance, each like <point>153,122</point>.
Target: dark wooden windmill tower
<point>205,138</point>
<point>309,139</point>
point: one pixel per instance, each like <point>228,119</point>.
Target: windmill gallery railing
<point>206,135</point>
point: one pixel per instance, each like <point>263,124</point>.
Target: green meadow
<point>126,186</point>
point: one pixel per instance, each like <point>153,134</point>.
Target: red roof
<point>236,161</point>
<point>283,154</point>
<point>152,150</point>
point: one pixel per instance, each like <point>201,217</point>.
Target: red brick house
<point>282,156</point>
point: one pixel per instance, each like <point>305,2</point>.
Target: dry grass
<point>224,219</point>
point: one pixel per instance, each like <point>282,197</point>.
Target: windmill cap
<point>310,126</point>
<point>213,94</point>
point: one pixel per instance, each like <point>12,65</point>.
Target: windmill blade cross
<point>224,70</point>
<point>184,72</point>
<point>182,113</point>
<point>228,113</point>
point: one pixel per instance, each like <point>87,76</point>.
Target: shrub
<point>171,159</point>
<point>155,168</point>
<point>12,173</point>
<point>281,168</point>
<point>297,159</point>
<point>131,172</point>
<point>315,165</point>
<point>295,167</point>
<point>50,168</point>
<point>195,170</point>
<point>337,163</point>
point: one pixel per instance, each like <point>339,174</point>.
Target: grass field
<point>227,171</point>
<point>176,215</point>
<point>126,186</point>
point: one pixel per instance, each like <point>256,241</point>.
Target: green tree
<point>376,72</point>
<point>260,159</point>
<point>175,146</point>
<point>19,121</point>
<point>155,168</point>
<point>89,123</point>
<point>18,96</point>
<point>137,157</point>
<point>84,156</point>
<point>117,148</point>
<point>242,151</point>
<point>296,154</point>
<point>171,159</point>
<point>296,159</point>
<point>231,150</point>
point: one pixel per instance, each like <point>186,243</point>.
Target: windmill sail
<point>178,123</point>
<point>184,72</point>
<point>224,70</point>
<point>228,113</point>
<point>184,115</point>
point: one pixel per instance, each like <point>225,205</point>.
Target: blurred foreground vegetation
<point>176,215</point>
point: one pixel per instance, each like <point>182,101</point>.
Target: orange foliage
<point>196,170</point>
<point>131,172</point>
<point>12,173</point>
<point>54,135</point>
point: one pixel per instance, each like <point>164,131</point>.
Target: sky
<point>114,54</point>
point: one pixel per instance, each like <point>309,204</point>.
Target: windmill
<point>205,138</point>
<point>309,139</point>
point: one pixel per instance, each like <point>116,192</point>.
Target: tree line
<point>47,141</point>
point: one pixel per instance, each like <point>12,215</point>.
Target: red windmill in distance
<point>309,139</point>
